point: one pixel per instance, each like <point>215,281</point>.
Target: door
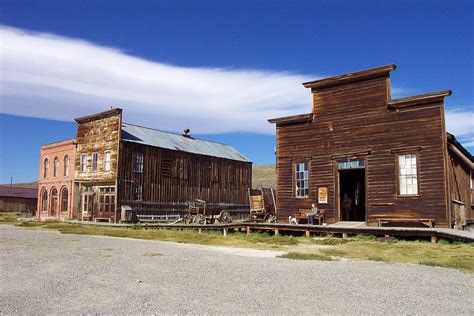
<point>352,204</point>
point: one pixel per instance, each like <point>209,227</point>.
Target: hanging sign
<point>323,195</point>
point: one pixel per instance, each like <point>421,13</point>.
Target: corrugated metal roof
<point>167,140</point>
<point>26,193</point>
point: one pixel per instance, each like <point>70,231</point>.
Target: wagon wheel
<point>225,217</point>
<point>199,219</point>
<point>271,218</point>
<point>188,218</point>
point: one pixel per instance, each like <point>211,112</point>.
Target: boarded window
<point>137,162</point>
<point>95,160</point>
<point>407,175</point>
<point>301,179</point>
<point>166,167</point>
<point>83,162</point>
<point>107,161</point>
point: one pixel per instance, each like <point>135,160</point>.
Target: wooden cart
<point>200,213</point>
<point>262,205</point>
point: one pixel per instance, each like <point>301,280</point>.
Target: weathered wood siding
<point>14,204</point>
<point>353,120</point>
<point>98,134</point>
<point>460,188</point>
<point>172,179</point>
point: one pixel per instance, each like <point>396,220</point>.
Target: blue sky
<point>220,68</point>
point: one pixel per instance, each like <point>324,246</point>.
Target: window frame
<point>295,180</point>
<point>45,167</point>
<point>107,162</point>
<point>55,167</point>
<point>137,195</point>
<point>96,163</point>
<point>137,162</point>
<point>417,175</point>
<point>83,163</point>
<point>66,166</point>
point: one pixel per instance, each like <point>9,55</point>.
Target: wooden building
<point>55,182</point>
<point>120,164</point>
<point>363,156</point>
<point>19,200</point>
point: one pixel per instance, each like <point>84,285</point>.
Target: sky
<point>220,68</point>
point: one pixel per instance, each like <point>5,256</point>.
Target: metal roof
<point>26,193</point>
<point>172,141</point>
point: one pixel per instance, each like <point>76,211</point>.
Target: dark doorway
<point>352,194</point>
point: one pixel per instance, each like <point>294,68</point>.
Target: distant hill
<point>264,175</point>
<point>28,185</point>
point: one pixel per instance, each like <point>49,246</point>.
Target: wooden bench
<point>302,216</point>
<point>424,221</point>
<point>157,218</point>
<point>102,219</point>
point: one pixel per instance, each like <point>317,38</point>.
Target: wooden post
<point>308,234</point>
<point>344,235</point>
<point>277,232</point>
<point>200,230</point>
<point>434,239</point>
<point>224,231</point>
<point>248,230</point>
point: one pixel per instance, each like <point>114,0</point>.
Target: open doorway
<point>352,194</point>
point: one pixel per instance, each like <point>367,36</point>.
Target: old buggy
<point>200,213</point>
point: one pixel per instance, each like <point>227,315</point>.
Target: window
<point>44,200</point>
<point>83,162</point>
<point>46,168</point>
<point>107,161</point>
<point>107,200</point>
<point>95,158</point>
<point>55,167</point>
<point>64,200</point>
<point>137,192</point>
<point>472,188</point>
<point>166,167</point>
<point>66,166</point>
<point>407,175</point>
<point>301,179</point>
<point>138,162</point>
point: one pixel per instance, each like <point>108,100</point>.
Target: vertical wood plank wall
<point>189,177</point>
<point>354,118</point>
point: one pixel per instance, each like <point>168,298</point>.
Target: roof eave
<point>301,118</point>
<point>420,99</point>
<point>350,77</point>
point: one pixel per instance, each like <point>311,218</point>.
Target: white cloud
<point>49,76</point>
<point>460,123</point>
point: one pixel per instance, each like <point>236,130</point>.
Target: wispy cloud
<point>49,76</point>
<point>461,124</point>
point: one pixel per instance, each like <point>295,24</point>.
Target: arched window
<point>66,166</point>
<point>44,200</point>
<point>55,167</point>
<point>54,202</point>
<point>46,168</point>
<point>64,200</point>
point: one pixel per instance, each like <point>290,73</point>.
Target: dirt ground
<point>47,272</point>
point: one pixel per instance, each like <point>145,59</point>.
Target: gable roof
<point>156,138</point>
<point>15,192</point>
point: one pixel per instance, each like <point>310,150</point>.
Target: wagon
<point>262,205</point>
<point>200,213</point>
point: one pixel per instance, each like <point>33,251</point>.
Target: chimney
<point>111,107</point>
<point>186,133</point>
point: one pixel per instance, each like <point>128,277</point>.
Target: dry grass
<point>8,217</point>
<point>444,254</point>
<point>264,175</point>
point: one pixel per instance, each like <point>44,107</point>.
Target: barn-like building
<point>363,156</point>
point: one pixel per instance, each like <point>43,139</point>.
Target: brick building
<point>55,184</point>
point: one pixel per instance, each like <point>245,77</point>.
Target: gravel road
<point>47,272</point>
